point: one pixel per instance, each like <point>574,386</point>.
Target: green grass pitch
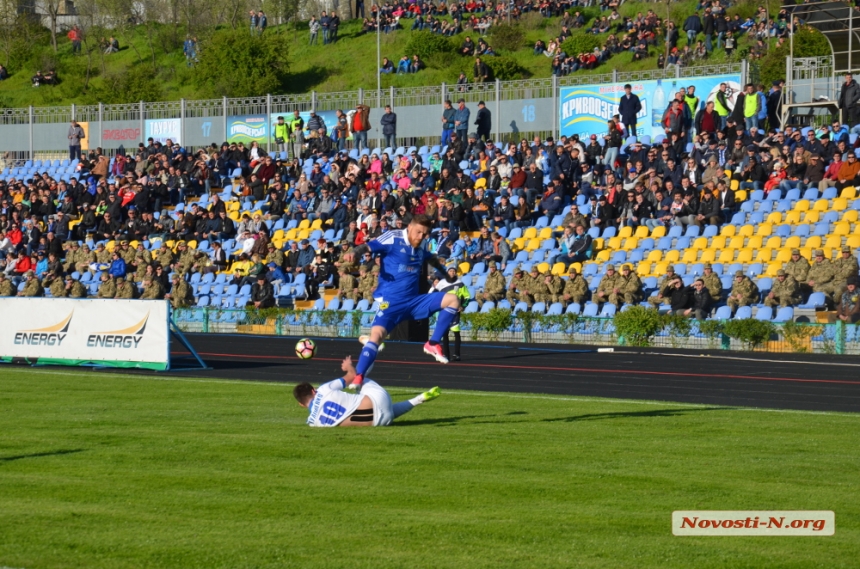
<point>101,470</point>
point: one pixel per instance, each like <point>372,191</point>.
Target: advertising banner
<point>329,118</point>
<point>162,129</point>
<point>62,331</point>
<point>247,128</point>
<point>586,108</point>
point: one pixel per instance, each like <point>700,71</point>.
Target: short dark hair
<point>303,392</point>
<point>422,219</point>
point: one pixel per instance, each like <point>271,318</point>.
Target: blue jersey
<point>401,265</point>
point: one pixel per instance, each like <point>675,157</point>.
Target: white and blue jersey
<point>397,290</point>
<point>332,405</point>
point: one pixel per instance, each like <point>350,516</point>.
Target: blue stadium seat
<point>539,307</point>
<point>723,313</point>
<point>743,313</point>
<point>590,309</point>
<point>573,308</point>
<point>608,310</point>
<point>816,300</point>
<point>764,313</point>
<point>785,314</point>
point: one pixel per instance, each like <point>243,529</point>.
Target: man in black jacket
<point>849,101</point>
<point>628,107</point>
<point>262,293</point>
<point>483,122</point>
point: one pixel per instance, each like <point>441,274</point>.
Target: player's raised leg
<point>406,406</point>
<point>449,308</point>
<point>368,355</point>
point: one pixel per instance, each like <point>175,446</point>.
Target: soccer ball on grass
<point>306,348</point>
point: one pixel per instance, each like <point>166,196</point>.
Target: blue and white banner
<point>586,108</point>
<point>162,129</point>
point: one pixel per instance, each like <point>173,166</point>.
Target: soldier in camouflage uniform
<point>784,292</point>
<point>607,289</point>
<point>33,288</point>
<point>798,267</point>
<point>550,288</point>
<point>142,256</point>
<point>712,283</point>
<point>347,286</point>
<point>71,257</point>
<point>164,256</point>
<point>744,292</point>
<point>6,287</point>
<point>103,256</point>
<point>629,286</point>
<point>664,291</point>
<point>185,260</point>
<point>74,289</point>
<point>820,275</point>
<point>845,267</point>
<point>575,288</point>
<point>126,253</point>
<point>55,284</point>
<point>108,288</point>
<point>179,295</point>
<point>152,289</point>
<point>275,256</point>
<point>366,284</point>
<point>494,286</point>
<point>124,288</point>
<point>84,259</point>
<point>520,283</point>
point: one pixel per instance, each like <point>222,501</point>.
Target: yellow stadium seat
<point>641,232</point>
<point>660,268</point>
<point>792,242</point>
<point>773,242</point>
<point>192,244</point>
<point>659,231</point>
<point>533,245</point>
<point>806,252</point>
<point>841,228</point>
<point>763,255</point>
<point>630,243</point>
<point>849,192</point>
<point>304,224</point>
<point>754,242</point>
<point>234,215</point>
<point>545,233</point>
<point>519,243</point>
<point>603,256</point>
<point>625,232</point>
<point>792,217</point>
<point>111,245</point>
<point>672,256</point>
<point>232,206</point>
<point>811,216</point>
<point>735,184</point>
<point>728,230</point>
<point>597,244</point>
<point>708,256</point>
<point>690,256</point>
<point>559,269</point>
<point>746,230</point>
<point>821,205</point>
<point>719,242</point>
<point>737,242</point>
<point>764,230</point>
<point>740,195</point>
<point>614,243</point>
<point>772,269</point>
<point>465,268</point>
<point>783,255</point>
<point>813,242</point>
<point>655,256</point>
<point>643,269</point>
<point>726,256</point>
<point>851,216</point>
<point>700,243</point>
<point>828,252</point>
<point>801,205</point>
<point>304,234</point>
<point>316,224</point>
<point>543,267</point>
<point>279,234</point>
<point>853,241</point>
<point>745,256</point>
<point>577,266</point>
<point>774,218</point>
<point>530,233</point>
<point>839,204</point>
<point>480,183</point>
<point>291,234</point>
<point>833,242</point>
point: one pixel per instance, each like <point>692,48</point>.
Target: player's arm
<point>359,251</point>
<point>436,263</point>
<point>348,370</point>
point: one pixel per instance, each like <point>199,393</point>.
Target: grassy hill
<point>151,66</point>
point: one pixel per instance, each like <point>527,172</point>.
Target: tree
<point>235,64</point>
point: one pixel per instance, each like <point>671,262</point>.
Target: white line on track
<point>461,392</point>
<point>738,358</point>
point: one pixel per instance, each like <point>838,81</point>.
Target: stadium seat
<point>743,313</point>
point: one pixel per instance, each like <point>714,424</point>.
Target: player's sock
<point>446,317</point>
<point>366,359</point>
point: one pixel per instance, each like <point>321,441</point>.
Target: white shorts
<point>383,413</point>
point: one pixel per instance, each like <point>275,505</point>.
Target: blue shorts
<point>391,314</point>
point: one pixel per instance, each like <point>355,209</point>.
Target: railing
<point>837,338</point>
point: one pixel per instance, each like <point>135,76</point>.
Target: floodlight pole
<point>378,58</point>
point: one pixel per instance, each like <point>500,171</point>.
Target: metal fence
<point>39,132</point>
<point>837,338</point>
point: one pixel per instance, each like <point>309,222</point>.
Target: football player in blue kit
<point>402,256</point>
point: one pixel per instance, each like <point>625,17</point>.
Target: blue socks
<point>366,359</point>
<point>443,324</point>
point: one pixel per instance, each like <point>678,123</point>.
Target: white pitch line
<point>466,393</point>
